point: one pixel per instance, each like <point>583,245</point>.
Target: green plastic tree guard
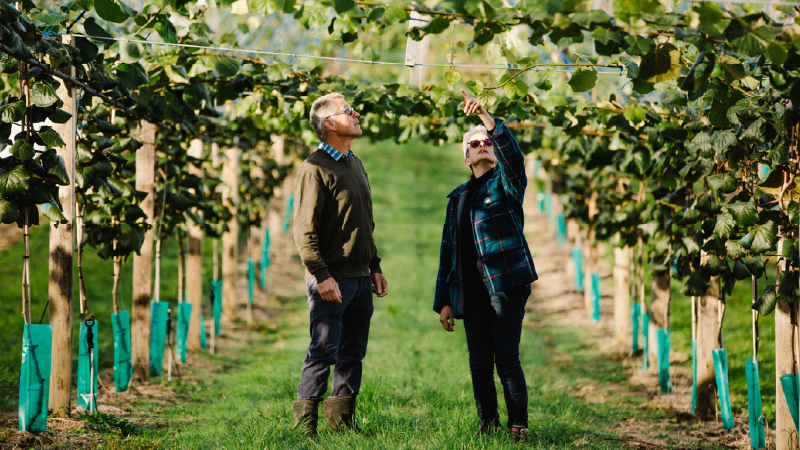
<point>694,376</point>
<point>561,230</point>
<point>34,377</point>
<point>123,369</point>
<point>595,297</point>
<point>577,259</point>
<point>251,279</point>
<point>721,374</point>
<point>548,206</point>
<point>757,438</point>
<point>264,259</point>
<point>664,381</point>
<point>158,335</point>
<point>646,339</point>
<point>87,368</point>
<point>636,312</point>
<point>789,383</point>
<point>287,218</point>
<point>540,202</point>
<point>184,316</point>
<point>203,340</point>
<point>216,307</point>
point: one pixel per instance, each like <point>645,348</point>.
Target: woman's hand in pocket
<point>447,319</point>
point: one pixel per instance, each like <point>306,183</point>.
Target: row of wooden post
<point>62,249</point>
<point>707,328</point>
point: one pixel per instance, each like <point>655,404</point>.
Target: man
<point>333,231</point>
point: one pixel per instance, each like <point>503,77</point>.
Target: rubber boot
<point>340,412</point>
<point>306,415</point>
<point>519,433</point>
<point>489,427</point>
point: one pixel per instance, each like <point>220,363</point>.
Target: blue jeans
<point>493,328</point>
<point>339,333</point>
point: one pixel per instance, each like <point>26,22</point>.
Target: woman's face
<point>480,153</point>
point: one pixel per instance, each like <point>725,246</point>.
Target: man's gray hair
<point>472,132</point>
<point>322,108</point>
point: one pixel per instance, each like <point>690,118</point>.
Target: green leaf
<point>130,52</point>
<point>583,79</point>
<point>92,28</point>
<point>13,181</point>
<point>747,44</point>
<point>777,53</point>
<point>196,97</point>
<point>132,75</point>
<point>50,138</point>
<point>42,95</point>
<point>544,84</point>
<point>52,212</point>
<point>735,249</point>
<point>744,212</point>
<point>755,133</point>
<point>452,77</point>
<point>60,116</point>
<point>12,112</point>
<point>605,35</point>
<point>732,68</point>
<point>787,289</point>
<point>166,30</point>
<point>8,211</point>
<point>636,116</point>
<point>113,10</point>
<point>54,165</point>
<point>724,226</point>
<point>475,86</point>
<point>637,45</point>
<point>696,285</point>
<point>341,6</point>
<point>437,25</point>
<point>766,301</point>
<point>22,150</point>
<point>528,61</point>
<point>701,70</point>
<point>764,237</point>
<point>487,98</point>
<point>755,266</point>
<point>105,127</point>
<point>515,89</point>
<point>660,64</point>
<point>395,14</point>
<point>740,271</point>
<point>691,245</point>
<point>722,183</point>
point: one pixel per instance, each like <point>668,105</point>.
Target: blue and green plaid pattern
<point>497,227</point>
<point>335,154</point>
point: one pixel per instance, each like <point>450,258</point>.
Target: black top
<point>471,277</point>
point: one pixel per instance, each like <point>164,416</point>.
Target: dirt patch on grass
<point>554,303</point>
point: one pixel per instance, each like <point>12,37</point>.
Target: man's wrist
<point>322,275</point>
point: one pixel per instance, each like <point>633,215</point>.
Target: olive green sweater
<point>333,218</point>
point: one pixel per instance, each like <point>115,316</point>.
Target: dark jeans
<point>339,333</point>
<point>493,328</point>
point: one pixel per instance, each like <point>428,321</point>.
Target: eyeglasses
<point>349,111</point>
<point>476,143</point>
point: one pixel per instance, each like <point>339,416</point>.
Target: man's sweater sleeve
<point>309,199</point>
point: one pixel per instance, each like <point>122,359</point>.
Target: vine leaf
<point>660,64</point>
<point>515,89</point>
<point>8,211</point>
<point>732,68</point>
<point>722,183</point>
<point>42,95</point>
<point>487,98</point>
<point>22,150</point>
<point>696,285</point>
<point>583,79</point>
<point>12,112</point>
<point>92,28</point>
<point>776,53</point>
<point>475,86</point>
<point>54,165</point>
<point>166,30</point>
<point>755,266</point>
<point>766,301</point>
<point>452,77</point>
<point>113,10</point>
<point>724,226</point>
<point>13,181</point>
<point>52,212</point>
<point>50,138</point>
<point>744,212</point>
<point>764,237</point>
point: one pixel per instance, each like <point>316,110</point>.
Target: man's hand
<point>447,319</point>
<point>471,106</point>
<point>329,291</point>
<point>379,285</point>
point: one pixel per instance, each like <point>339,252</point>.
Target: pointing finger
<point>466,96</point>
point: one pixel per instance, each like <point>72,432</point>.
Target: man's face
<point>480,153</point>
<point>343,124</point>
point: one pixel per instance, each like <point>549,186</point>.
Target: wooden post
<point>194,261</point>
<point>659,311</point>
<point>785,432</point>
<point>707,340</point>
<point>589,256</point>
<point>622,295</point>
<point>62,252</point>
<point>143,262</point>
<point>278,200</point>
<point>230,176</point>
<point>417,51</point>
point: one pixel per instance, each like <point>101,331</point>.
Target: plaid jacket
<point>497,223</point>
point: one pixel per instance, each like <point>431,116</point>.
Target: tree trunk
<point>194,261</point>
<point>143,262</point>
<point>622,295</point>
<point>786,437</point>
<point>230,176</point>
<point>707,340</point>
<point>659,311</point>
<point>62,251</point>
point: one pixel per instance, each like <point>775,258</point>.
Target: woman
<point>486,269</point>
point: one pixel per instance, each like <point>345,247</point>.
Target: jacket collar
<point>460,189</point>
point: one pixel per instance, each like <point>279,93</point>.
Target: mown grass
<point>416,390</point>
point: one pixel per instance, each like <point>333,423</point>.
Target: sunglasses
<point>485,142</point>
<point>349,111</point>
